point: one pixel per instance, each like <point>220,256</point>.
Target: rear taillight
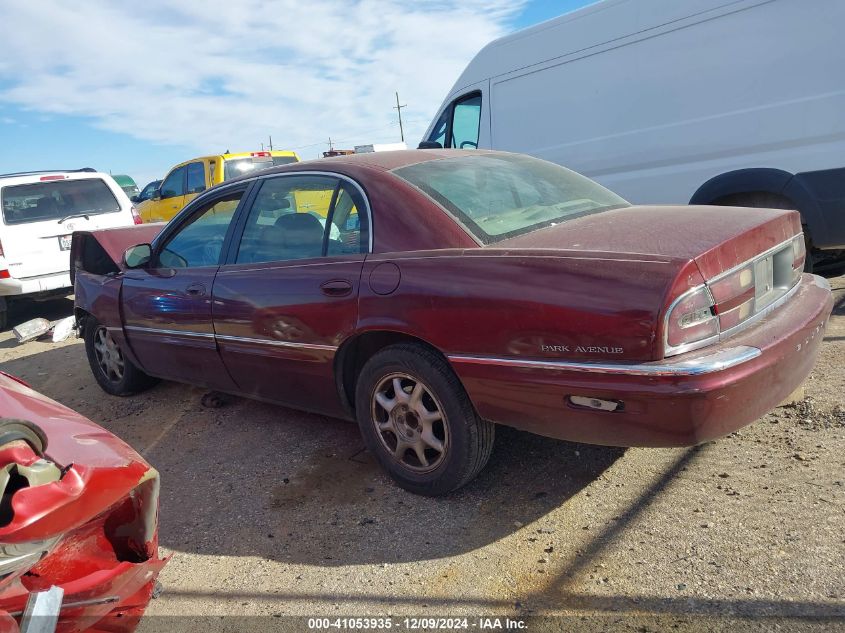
<point>708,312</point>
<point>136,217</point>
<point>4,274</point>
<point>799,256</point>
<point>691,319</point>
<point>734,296</point>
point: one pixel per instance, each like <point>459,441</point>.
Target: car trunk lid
<point>716,238</point>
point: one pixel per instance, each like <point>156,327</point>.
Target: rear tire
<point>766,200</point>
<point>418,421</point>
<point>114,372</point>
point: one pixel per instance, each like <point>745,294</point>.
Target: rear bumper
<point>36,285</point>
<point>692,398</point>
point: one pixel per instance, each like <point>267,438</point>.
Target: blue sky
<point>135,89</point>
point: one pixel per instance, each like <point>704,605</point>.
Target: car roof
<point>31,177</point>
<point>123,180</point>
<point>233,155</point>
<point>380,161</point>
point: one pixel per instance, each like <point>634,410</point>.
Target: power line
<point>399,109</point>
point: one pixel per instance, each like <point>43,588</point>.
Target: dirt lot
<point>269,511</point>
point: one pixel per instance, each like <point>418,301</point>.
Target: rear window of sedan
<point>498,196</point>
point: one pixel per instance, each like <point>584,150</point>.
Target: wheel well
<point>80,315</point>
<point>757,198</point>
<point>354,353</point>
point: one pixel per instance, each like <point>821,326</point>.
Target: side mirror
<point>137,256</point>
<point>156,195</point>
<point>429,145</point>
<point>135,199</point>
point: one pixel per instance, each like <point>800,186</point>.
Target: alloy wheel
<point>410,422</point>
<point>109,356</point>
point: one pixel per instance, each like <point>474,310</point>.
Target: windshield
<point>57,199</point>
<point>497,196</point>
<point>233,168</point>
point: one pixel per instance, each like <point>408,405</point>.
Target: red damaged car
<point>78,519</point>
<point>433,294</point>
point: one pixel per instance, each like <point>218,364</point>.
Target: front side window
<point>497,196</point>
<point>466,120</point>
<point>174,184</point>
<point>438,134</point>
<point>196,178</point>
<point>57,199</point>
<point>199,242</point>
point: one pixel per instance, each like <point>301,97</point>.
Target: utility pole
<point>331,147</point>
<point>399,108</point>
<point>271,142</point>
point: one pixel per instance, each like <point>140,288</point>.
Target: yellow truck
<point>185,180</point>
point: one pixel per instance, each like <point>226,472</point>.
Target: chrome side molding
<point>706,364</point>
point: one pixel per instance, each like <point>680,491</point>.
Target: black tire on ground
<point>4,319</point>
<point>114,372</point>
<point>447,442</point>
<point>766,200</point>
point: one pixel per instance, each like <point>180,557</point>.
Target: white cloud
<point>217,74</point>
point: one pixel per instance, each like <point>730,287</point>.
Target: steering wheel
<point>464,145</point>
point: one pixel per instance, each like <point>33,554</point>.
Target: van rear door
<point>40,216</point>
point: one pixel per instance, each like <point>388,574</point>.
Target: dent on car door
<point>167,305</point>
<point>288,295</point>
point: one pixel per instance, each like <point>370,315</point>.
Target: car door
<point>287,296</point>
<point>169,199</point>
<point>167,304</point>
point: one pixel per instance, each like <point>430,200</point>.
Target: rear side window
<point>54,200</point>
<point>196,178</point>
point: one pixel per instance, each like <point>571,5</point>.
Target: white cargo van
<point>40,212</point>
<point>735,102</point>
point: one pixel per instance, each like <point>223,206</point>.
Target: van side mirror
<point>137,256</point>
<point>156,195</point>
<point>429,145</point>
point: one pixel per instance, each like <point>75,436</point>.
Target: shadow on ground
<point>252,479</point>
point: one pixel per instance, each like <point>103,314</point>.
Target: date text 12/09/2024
<point>413,624</point>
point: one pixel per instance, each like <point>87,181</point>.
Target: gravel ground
<point>272,512</point>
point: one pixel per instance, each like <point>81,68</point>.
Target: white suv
<point>40,211</point>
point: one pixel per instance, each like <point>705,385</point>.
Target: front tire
<point>417,420</point>
<point>115,373</point>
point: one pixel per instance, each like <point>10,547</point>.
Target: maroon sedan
<point>78,519</point>
<point>433,294</point>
